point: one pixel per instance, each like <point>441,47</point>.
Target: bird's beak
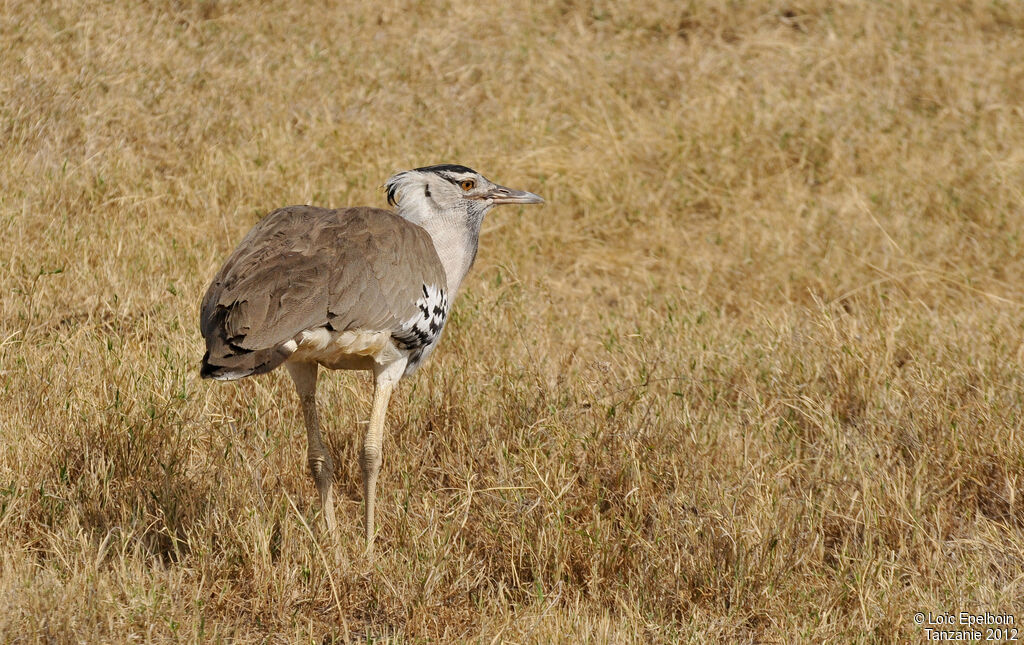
<point>502,195</point>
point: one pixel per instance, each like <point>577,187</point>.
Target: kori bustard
<point>354,288</point>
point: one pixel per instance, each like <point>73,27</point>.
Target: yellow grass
<point>751,375</point>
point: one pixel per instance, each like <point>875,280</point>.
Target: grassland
<point>752,375</point>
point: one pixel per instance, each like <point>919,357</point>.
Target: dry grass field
<point>753,374</point>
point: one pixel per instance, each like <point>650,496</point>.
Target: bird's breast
<point>423,328</point>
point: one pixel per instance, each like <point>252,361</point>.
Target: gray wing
<point>303,268</point>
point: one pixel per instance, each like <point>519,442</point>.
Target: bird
<point>357,288</point>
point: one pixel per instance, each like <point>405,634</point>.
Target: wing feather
<point>303,268</point>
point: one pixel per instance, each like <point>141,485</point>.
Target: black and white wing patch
<point>424,328</point>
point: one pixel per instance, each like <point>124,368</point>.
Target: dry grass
<point>752,374</point>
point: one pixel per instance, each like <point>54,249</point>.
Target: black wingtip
<point>208,370</point>
<point>205,369</point>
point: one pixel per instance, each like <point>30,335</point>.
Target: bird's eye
<point>467,184</point>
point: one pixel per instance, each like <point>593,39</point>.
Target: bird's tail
<point>226,361</point>
<point>233,364</point>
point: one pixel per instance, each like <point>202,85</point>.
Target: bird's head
<point>450,192</point>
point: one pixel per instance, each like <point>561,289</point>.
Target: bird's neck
<point>456,248</point>
<point>455,237</point>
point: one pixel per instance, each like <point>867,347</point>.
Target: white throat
<point>455,238</point>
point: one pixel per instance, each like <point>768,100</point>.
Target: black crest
<point>446,167</point>
<point>392,193</point>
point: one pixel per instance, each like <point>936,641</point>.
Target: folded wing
<point>304,268</point>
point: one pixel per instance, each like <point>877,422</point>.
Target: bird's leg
<point>320,464</point>
<point>385,379</point>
